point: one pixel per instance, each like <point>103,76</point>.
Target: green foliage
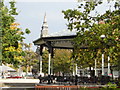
<point>10,35</point>
<point>27,30</point>
<point>88,43</point>
<point>12,8</point>
<point>110,85</point>
<point>30,58</point>
<point>62,61</point>
<point>45,61</point>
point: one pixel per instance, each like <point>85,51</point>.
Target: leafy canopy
<point>89,29</point>
<point>11,35</point>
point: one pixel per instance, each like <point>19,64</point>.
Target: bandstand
<point>52,42</point>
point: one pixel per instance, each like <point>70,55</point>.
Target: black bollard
<point>49,79</point>
<point>76,79</point>
<point>40,79</point>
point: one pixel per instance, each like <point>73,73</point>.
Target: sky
<point>31,15</point>
<point>44,0</point>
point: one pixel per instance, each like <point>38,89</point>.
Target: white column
<point>18,71</point>
<point>73,70</point>
<point>27,70</point>
<point>40,64</point>
<point>52,66</point>
<point>49,63</point>
<point>76,69</point>
<point>108,65</point>
<point>102,64</point>
<point>95,68</point>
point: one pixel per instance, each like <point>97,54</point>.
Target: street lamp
<point>102,37</point>
<point>95,65</point>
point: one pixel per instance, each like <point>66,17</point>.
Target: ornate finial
<point>44,31</point>
<point>45,19</point>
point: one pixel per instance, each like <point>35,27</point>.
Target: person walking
<point>40,79</point>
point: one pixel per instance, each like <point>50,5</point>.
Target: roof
<point>65,42</point>
<point>4,68</point>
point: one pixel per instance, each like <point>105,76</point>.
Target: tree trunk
<point>119,69</point>
<point>63,74</point>
<point>111,71</point>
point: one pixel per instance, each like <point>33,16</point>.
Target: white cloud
<point>42,0</point>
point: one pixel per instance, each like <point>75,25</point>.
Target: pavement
<point>18,82</point>
<point>30,83</point>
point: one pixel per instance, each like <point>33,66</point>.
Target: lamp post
<point>108,46</point>
<point>102,37</point>
<point>95,67</point>
<point>76,76</point>
<point>109,66</point>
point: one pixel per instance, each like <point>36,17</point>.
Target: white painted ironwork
<point>102,64</point>
<point>40,64</point>
<point>64,32</point>
<point>49,63</point>
<point>76,70</point>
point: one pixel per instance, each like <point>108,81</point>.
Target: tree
<point>62,61</point>
<point>29,59</point>
<point>11,35</point>
<point>45,61</point>
<point>88,44</point>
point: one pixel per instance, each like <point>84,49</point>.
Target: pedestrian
<point>40,79</point>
